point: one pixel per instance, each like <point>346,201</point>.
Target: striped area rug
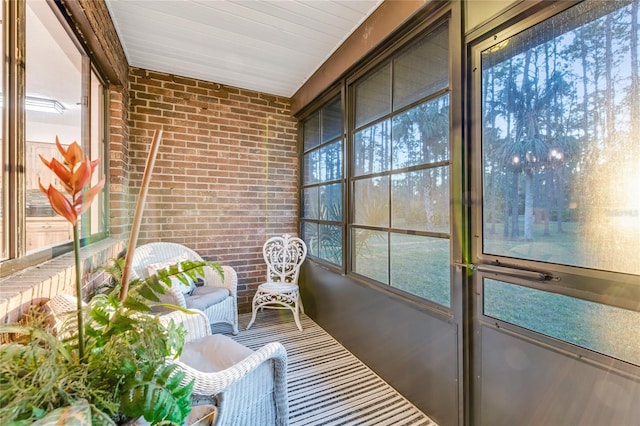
<point>327,385</point>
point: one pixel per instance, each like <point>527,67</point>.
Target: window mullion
<point>14,131</point>
<point>85,120</point>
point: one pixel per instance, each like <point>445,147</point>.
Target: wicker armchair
<point>251,392</point>
<point>222,311</point>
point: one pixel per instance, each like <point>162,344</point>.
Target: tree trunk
<point>515,228</point>
<point>492,202</point>
<point>548,198</point>
<point>560,203</point>
<point>505,211</point>
<point>609,93</point>
<point>547,189</point>
<point>528,205</point>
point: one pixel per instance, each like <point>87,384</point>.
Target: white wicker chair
<point>63,309</point>
<point>284,256</point>
<point>225,311</point>
<point>252,392</point>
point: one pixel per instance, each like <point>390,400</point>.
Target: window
<point>54,82</point>
<point>580,322</point>
<point>400,162</point>
<point>397,164</point>
<point>62,97</point>
<point>322,185</point>
<point>560,108</point>
<point>560,153</point>
<point>97,222</point>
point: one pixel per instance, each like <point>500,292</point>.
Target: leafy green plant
<point>80,413</point>
<point>170,401</point>
<point>122,374</point>
<point>106,363</point>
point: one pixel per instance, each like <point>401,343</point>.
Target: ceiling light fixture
<point>33,103</point>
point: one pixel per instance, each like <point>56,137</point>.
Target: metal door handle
<point>514,272</point>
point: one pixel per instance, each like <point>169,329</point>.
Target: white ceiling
<point>271,46</point>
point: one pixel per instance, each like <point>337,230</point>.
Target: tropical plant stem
<point>76,250</point>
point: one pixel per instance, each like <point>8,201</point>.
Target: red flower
<point>72,155</point>
<point>75,175</point>
<point>59,203</point>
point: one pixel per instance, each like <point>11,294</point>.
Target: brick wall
<point>225,178</point>
<point>36,285</point>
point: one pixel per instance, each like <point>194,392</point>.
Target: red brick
<point>218,171</point>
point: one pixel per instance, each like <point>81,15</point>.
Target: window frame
<point>427,21</point>
<point>435,20</point>
<point>13,219</point>
<point>574,281</point>
<point>329,98</point>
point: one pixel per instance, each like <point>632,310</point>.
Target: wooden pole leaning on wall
<point>137,215</point>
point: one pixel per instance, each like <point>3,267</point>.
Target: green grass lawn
<point>605,329</point>
<point>555,247</point>
<point>421,266</point>
<point>609,245</point>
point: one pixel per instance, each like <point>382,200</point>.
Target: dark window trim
<point>574,281</point>
<point>74,16</point>
<point>325,99</point>
<point>436,20</point>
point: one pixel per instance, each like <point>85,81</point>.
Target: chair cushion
<point>205,296</point>
<point>277,287</point>
<point>187,286</point>
<point>153,268</point>
<point>213,353</point>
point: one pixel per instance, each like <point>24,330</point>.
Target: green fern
<point>143,293</point>
<point>123,372</point>
<point>157,394</point>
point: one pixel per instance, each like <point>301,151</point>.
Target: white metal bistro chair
<point>284,256</point>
